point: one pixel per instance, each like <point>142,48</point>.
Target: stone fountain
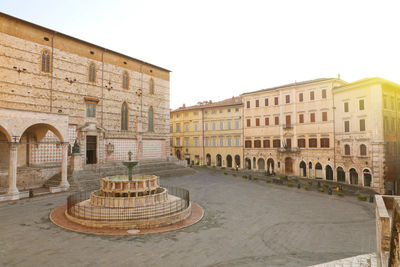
<point>130,164</point>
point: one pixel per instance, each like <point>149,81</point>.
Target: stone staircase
<point>89,178</point>
<point>367,260</point>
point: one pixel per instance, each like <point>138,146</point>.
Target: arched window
<point>125,80</point>
<point>124,117</point>
<point>151,86</point>
<point>92,72</point>
<point>151,120</point>
<point>46,61</point>
<point>347,150</point>
<point>363,150</point>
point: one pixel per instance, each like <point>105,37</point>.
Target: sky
<point>218,49</point>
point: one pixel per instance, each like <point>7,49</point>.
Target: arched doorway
<point>219,160</point>
<point>367,177</point>
<point>247,163</point>
<point>303,169</point>
<point>328,173</point>
<point>353,176</point>
<point>270,166</point>
<point>229,161</point>
<point>208,159</point>
<point>261,164</point>
<point>318,171</point>
<point>178,154</point>
<point>340,175</point>
<point>254,163</point>
<point>237,161</point>
<point>288,165</point>
<point>4,148</point>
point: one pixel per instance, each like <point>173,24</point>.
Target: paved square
<point>246,223</point>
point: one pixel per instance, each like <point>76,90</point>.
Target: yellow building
<point>289,129</point>
<point>367,133</point>
<point>209,133</point>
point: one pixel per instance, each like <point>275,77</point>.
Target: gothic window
<point>151,86</point>
<point>46,61</point>
<point>124,117</point>
<point>151,120</point>
<point>92,72</point>
<point>125,80</point>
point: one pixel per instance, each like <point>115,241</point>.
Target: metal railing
<point>80,210</point>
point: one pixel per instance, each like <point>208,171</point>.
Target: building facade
<point>209,133</point>
<point>289,129</point>
<point>57,90</point>
<point>367,133</point>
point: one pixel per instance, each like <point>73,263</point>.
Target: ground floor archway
<point>367,177</point>
<point>261,164</point>
<point>247,163</point>
<point>353,176</point>
<point>208,159</point>
<point>229,161</point>
<point>328,173</point>
<point>303,169</point>
<point>237,161</point>
<point>219,160</point>
<point>288,165</point>
<point>340,175</point>
<point>270,166</point>
<point>318,171</point>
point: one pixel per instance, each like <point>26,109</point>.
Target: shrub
<point>283,177</point>
<point>340,194</point>
<point>222,168</point>
<point>232,169</point>
<point>225,173</point>
<point>362,198</point>
<point>267,181</point>
<point>214,166</point>
<point>234,174</point>
<point>244,176</point>
<point>289,184</point>
<point>294,179</point>
<point>326,185</point>
<point>309,182</point>
<point>307,188</point>
<point>255,178</point>
<point>321,189</point>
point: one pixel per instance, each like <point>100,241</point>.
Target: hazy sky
<point>217,49</point>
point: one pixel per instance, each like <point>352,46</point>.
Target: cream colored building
<point>209,133</point>
<point>289,129</point>
<point>56,89</point>
<point>367,132</point>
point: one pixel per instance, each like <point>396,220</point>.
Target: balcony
<point>288,150</point>
<point>287,126</point>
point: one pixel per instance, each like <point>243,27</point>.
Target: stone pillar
<point>12,172</point>
<point>64,165</point>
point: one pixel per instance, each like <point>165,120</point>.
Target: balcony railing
<point>287,126</point>
<point>288,149</point>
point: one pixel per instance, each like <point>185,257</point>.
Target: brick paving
<point>246,223</point>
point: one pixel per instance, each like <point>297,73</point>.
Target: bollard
<point>31,192</point>
<point>371,198</point>
<point>330,191</point>
<point>298,186</point>
<point>249,176</point>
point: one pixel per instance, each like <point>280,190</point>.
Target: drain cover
<point>133,231</point>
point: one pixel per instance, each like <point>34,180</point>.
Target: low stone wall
<point>135,224</point>
<point>29,177</point>
<point>118,202</point>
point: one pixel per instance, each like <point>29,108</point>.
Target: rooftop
<point>209,104</point>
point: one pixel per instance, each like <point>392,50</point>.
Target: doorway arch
<point>288,165</point>
<point>237,161</point>
<point>270,166</point>
<point>340,175</point>
<point>303,169</point>
<point>229,161</point>
<point>208,160</point>
<point>318,171</point>
<point>353,176</point>
<point>367,177</point>
<point>328,173</point>
<point>219,160</point>
<point>247,163</point>
<point>261,164</point>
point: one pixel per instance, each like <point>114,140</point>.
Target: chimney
<point>338,76</point>
<point>184,106</point>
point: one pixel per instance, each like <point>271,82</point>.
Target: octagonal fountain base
<point>128,203</point>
